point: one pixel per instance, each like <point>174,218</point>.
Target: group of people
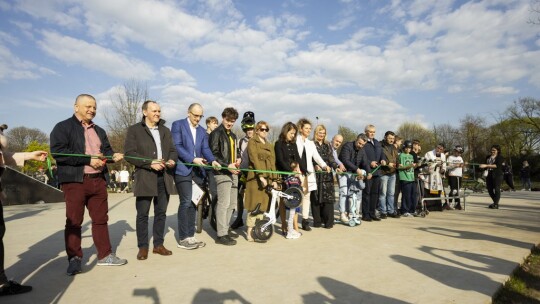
<point>239,173</point>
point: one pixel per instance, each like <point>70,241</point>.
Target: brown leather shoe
<point>143,254</point>
<point>162,250</point>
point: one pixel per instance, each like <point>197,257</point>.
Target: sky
<point>347,62</point>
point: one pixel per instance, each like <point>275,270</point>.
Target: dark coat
<point>374,153</point>
<point>221,148</point>
<point>261,157</point>
<point>67,137</point>
<point>286,153</point>
<point>353,158</point>
<point>140,143</point>
<point>325,181</point>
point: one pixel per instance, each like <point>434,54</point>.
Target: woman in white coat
<point>308,154</point>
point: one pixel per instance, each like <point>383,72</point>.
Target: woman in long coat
<point>322,200</point>
<point>261,157</point>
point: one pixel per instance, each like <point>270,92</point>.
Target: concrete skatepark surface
<point>446,257</point>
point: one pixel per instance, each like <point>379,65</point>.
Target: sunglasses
<point>264,129</point>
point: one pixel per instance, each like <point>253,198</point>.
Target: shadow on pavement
<point>205,296</point>
<point>345,293</point>
<point>492,264</point>
<point>24,214</point>
<point>454,277</point>
<point>150,293</point>
<point>475,236</point>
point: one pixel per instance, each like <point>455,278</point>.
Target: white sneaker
<point>344,219</point>
<point>406,214</point>
<point>293,234</point>
<point>193,240</point>
<point>357,220</point>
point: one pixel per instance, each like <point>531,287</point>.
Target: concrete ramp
<point>22,189</point>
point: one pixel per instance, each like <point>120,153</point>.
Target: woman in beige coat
<point>261,157</point>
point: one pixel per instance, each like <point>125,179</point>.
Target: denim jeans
<point>186,209</point>
<point>386,194</point>
<point>349,185</point>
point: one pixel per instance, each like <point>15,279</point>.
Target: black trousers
<point>370,197</point>
<point>455,184</point>
<point>493,184</point>
<point>3,278</point>
<point>322,212</point>
<point>143,204</point>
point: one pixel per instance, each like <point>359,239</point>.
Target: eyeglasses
<point>196,116</point>
<point>264,129</point>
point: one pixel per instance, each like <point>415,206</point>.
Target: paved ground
<point>447,257</point>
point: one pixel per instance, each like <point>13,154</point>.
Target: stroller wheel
<point>352,223</point>
<point>262,233</point>
<point>422,214</point>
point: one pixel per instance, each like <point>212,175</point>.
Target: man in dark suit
<point>191,142</point>
<point>375,158</point>
<point>149,142</point>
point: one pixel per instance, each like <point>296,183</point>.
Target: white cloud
<point>13,67</point>
<point>500,90</point>
<point>184,77</point>
<point>94,57</point>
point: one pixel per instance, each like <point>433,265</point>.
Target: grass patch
<point>523,286</point>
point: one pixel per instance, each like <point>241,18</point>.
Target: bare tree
<point>448,135</point>
<point>535,12</point>
<point>413,130</point>
<point>20,137</point>
<point>125,111</point>
<point>347,133</point>
<point>473,129</point>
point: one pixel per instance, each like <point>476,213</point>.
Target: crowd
<point>239,171</point>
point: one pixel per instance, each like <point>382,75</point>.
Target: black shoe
<point>317,225</point>
<point>233,235</point>
<point>458,207</point>
<point>305,225</point>
<point>366,219</point>
<point>394,215</point>
<point>383,216</point>
<point>494,206</point>
<point>446,207</point>
<point>237,223</point>
<point>225,240</point>
<point>376,218</point>
<point>13,288</point>
<point>74,266</point>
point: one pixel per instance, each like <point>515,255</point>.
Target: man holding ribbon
<point>81,149</point>
<point>149,147</point>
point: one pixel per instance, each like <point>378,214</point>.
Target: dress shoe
<point>225,240</point>
<point>494,206</point>
<point>305,225</point>
<point>458,207</point>
<point>143,254</point>
<point>376,218</point>
<point>162,250</point>
<point>366,219</point>
<point>383,216</point>
<point>232,234</point>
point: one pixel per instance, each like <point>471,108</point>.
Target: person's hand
<point>369,176</point>
<point>263,181</point>
<point>37,155</point>
<point>338,170</point>
<point>216,165</point>
<point>391,165</point>
<point>170,163</point>
<point>96,163</point>
<point>317,168</point>
<point>373,164</point>
<point>158,164</point>
<point>199,161</point>
<point>342,168</point>
<point>274,185</point>
<point>383,162</point>
<point>117,157</point>
<point>328,169</point>
<point>233,168</point>
<point>483,166</point>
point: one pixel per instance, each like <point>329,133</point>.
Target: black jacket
<point>353,159</point>
<point>67,137</point>
<point>286,153</point>
<point>221,147</point>
<point>140,143</point>
<point>374,152</point>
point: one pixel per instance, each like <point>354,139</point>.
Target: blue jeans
<point>349,185</point>
<point>386,194</point>
<point>186,209</point>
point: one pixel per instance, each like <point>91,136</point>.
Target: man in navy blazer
<point>191,142</point>
<point>375,158</point>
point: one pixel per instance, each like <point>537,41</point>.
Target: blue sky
<point>347,62</point>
